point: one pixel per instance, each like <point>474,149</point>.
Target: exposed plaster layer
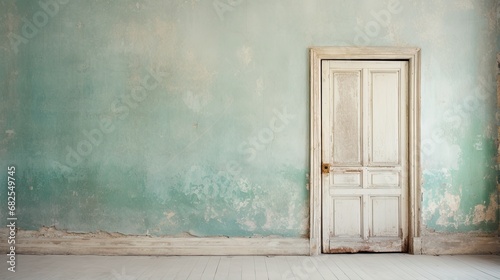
<point>448,209</point>
<point>485,214</point>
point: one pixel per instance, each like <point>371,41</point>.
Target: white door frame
<point>412,55</point>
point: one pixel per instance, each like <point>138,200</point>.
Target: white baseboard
<point>415,246</point>
<point>59,243</point>
<point>455,244</point>
<point>85,244</point>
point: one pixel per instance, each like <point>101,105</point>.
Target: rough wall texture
<point>191,117</point>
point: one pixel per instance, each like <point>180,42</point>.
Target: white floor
<point>349,266</point>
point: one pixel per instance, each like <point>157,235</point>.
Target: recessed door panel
<point>385,217</point>
<point>346,222</point>
<point>384,129</point>
<point>346,118</point>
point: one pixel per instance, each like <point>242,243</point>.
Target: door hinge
<point>325,168</point>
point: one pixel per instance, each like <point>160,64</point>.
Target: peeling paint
<point>483,213</point>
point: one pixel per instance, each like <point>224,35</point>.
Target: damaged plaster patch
<point>478,144</point>
<point>53,232</point>
<point>169,215</point>
<point>287,213</point>
<point>10,132</point>
<point>245,55</point>
<point>249,224</point>
<point>449,207</point>
<point>486,214</point>
<point>444,208</point>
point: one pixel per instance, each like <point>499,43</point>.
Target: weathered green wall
<point>175,117</point>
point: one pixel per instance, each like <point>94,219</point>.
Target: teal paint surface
<point>192,117</point>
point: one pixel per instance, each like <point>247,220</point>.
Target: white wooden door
<point>364,155</point>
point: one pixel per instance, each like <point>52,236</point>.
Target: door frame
<point>410,54</point>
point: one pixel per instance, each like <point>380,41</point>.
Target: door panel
<point>346,117</point>
<point>383,179</point>
<point>347,216</point>
<point>384,214</point>
<point>384,128</point>
<point>365,140</point>
<point>347,179</point>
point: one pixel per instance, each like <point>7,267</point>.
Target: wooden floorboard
<point>465,270</point>
<point>247,268</point>
<point>167,272</point>
<point>340,261</point>
<point>380,268</point>
<point>430,266</point>
<point>326,271</point>
<point>334,268</point>
<point>260,268</point>
<point>400,262</point>
<point>411,264</point>
<point>487,265</point>
<point>277,267</point>
<point>154,273</point>
<point>198,269</point>
<point>235,269</point>
<point>186,268</point>
<point>222,268</point>
<point>211,268</point>
<point>323,267</point>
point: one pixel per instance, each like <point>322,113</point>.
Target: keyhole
<point>326,168</point>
